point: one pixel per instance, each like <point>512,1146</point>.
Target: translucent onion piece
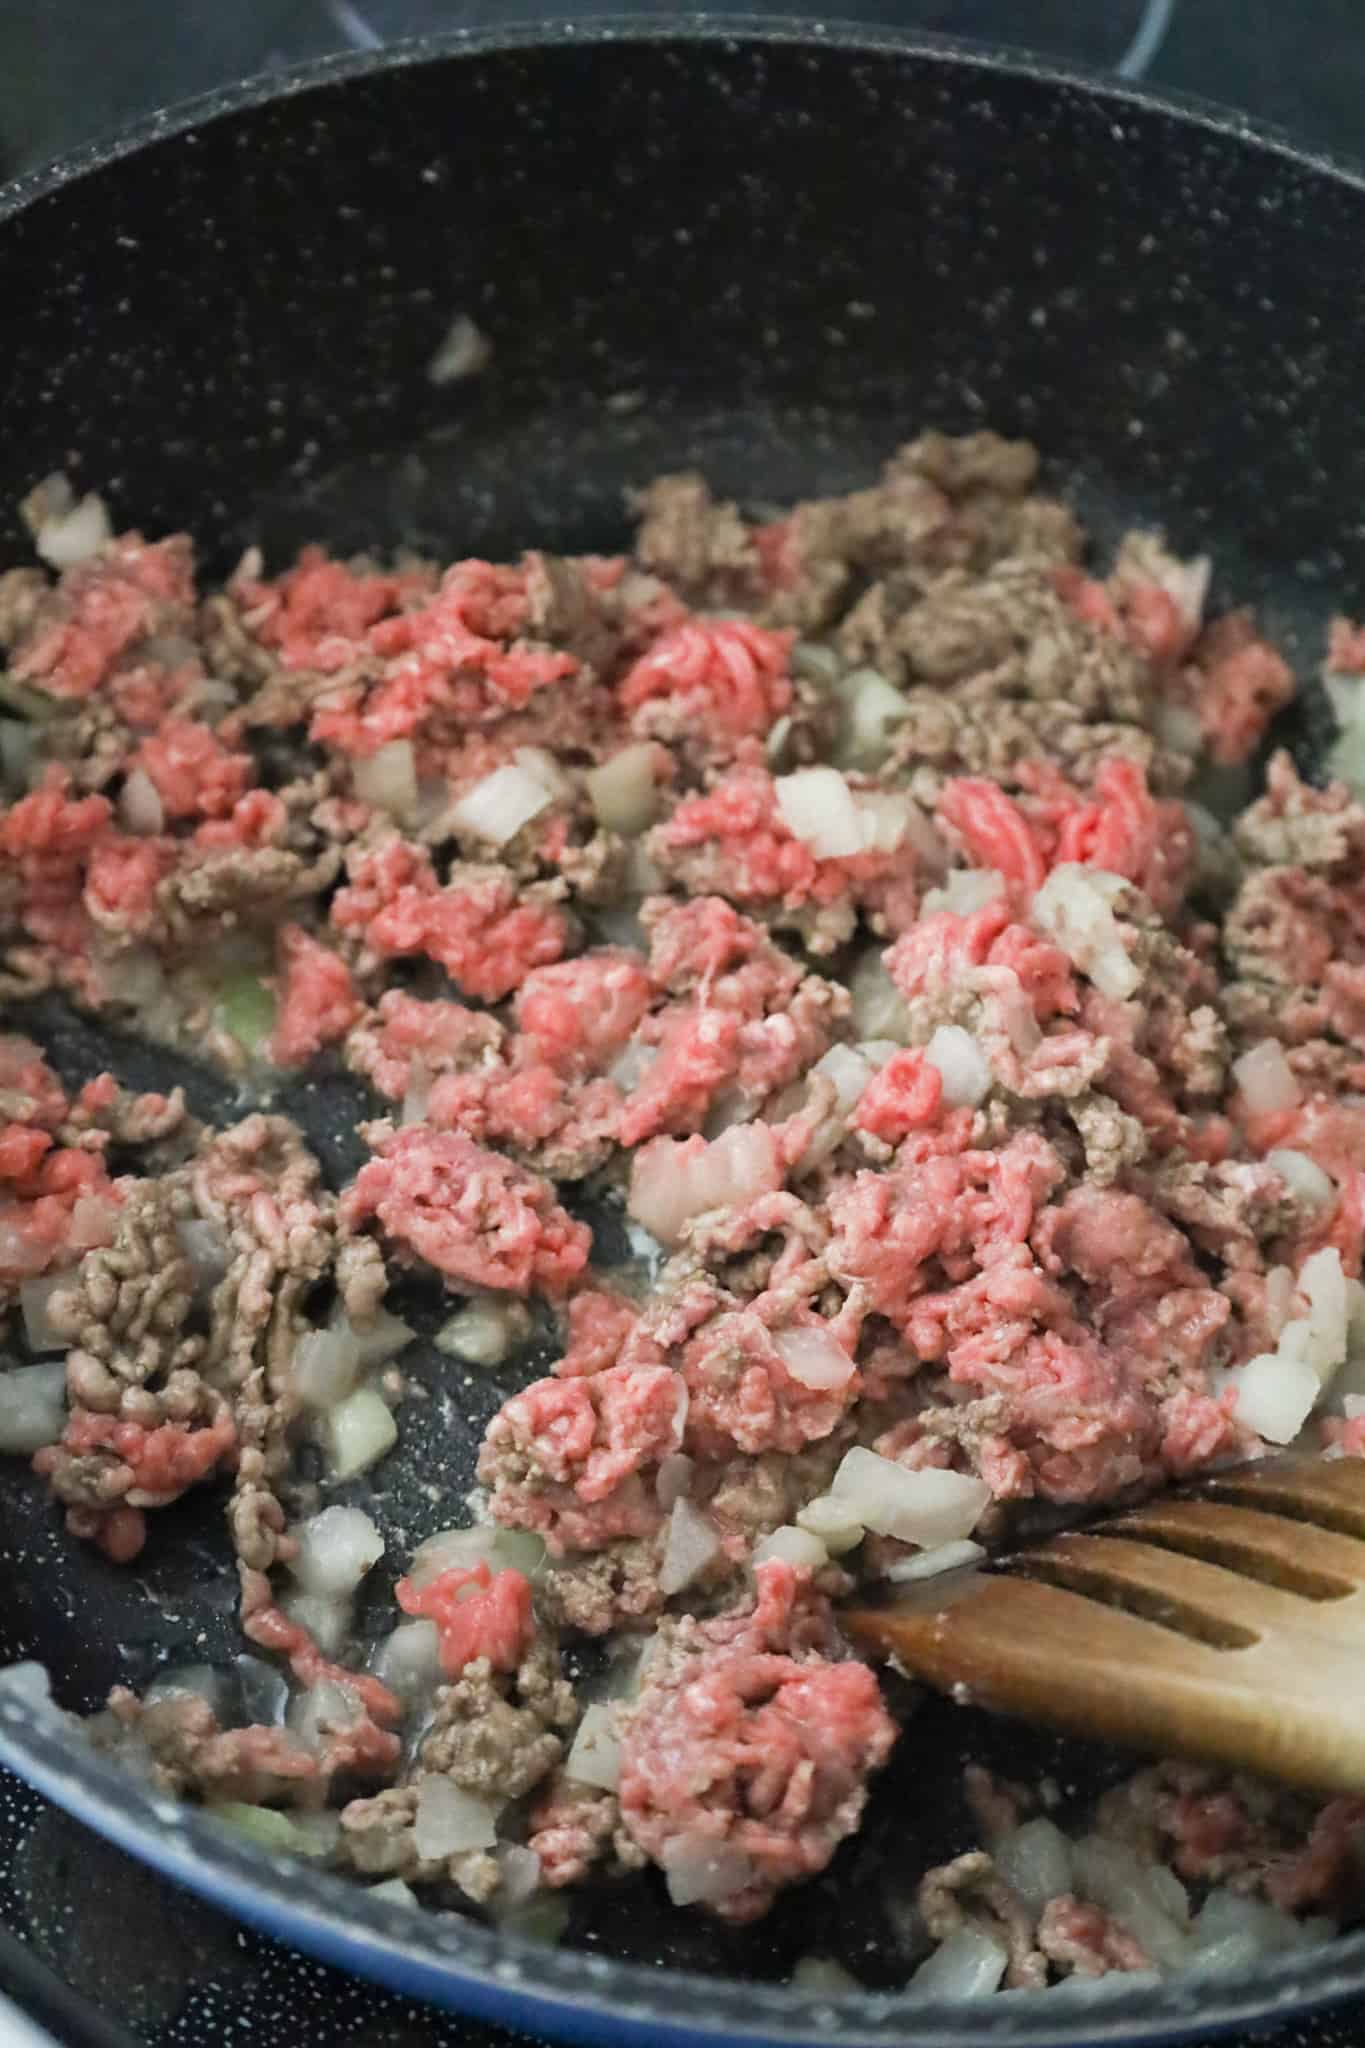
<point>334,1551</point>
<point>360,1430</point>
<point>595,1755</point>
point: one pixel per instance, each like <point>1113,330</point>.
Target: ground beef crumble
<point>831,892</point>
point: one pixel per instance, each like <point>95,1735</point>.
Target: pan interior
<point>768,260</point>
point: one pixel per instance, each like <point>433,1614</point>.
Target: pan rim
<point>343,66</point>
<point>446,1959</point>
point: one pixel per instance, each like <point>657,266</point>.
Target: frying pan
<point>771,252</point>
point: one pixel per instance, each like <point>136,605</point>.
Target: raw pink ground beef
<point>468,1212</point>
<point>743,1747</point>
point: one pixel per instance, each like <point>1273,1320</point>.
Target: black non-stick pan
<point>771,253</point>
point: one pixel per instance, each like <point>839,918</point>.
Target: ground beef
<point>318,1002</point>
<point>488,1743</point>
<point>378,1838</point>
<point>188,1751</point>
<point>911,1160</point>
<point>566,1457</point>
<point>574,1828</point>
<point>477,1219</point>
<point>477,927</point>
<point>743,1750</point>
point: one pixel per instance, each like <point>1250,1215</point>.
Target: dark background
<point>72,69</point>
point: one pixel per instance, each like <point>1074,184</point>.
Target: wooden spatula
<point>1229,1626</point>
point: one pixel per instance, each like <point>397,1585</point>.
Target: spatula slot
<point>1180,1617</point>
<point>1236,1556</point>
<point>1295,1503</point>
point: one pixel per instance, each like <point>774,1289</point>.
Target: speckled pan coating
<point>766,252</point>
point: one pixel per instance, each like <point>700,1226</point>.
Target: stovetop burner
<point>73,68</point>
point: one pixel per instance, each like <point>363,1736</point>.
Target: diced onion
<point>885,817</point>
<point>1178,727</point>
<point>246,1010</point>
<point>449,1820</point>
<point>359,1431</point>
<point>202,1681</point>
<point>70,536</point>
<point>595,1756</point>
<point>1273,1395</point>
<point>325,1367</point>
<point>519,1874</point>
<point>380,1336</point>
<point>1279,1298</point>
<point>631,1065</point>
<point>793,1546</point>
<point>673,1181</point>
<point>871,708</point>
<point>264,1690</point>
<point>322,1710</point>
<point>388,779</point>
<point>815,663</point>
<point>929,1564</point>
<point>833,1521</point>
<point>1035,1860</point>
<point>817,807</point>
<point>32,1407</point>
<point>702,1871</point>
<point>334,1551</point>
<point>463,351</point>
<point>1323,1281</point>
<point>481,1333</point>
<point>1302,1176</point>
<point>1144,558</point>
<point>1147,1898</point>
<point>674,1480</point>
<point>463,1549</point>
<point>394,1891</point>
<point>1346,760</point>
<point>624,790</point>
<point>969,1964</point>
<point>1266,1079</point>
<point>690,1545</point>
<point>34,1298</point>
<point>266,1827</point>
<point>1074,908</point>
<point>498,807</point>
<point>879,1010</point>
<point>140,804</point>
<point>408,1660</point>
<point>327,1620</point>
<point>965,891</point>
<point>927,1507</point>
<point>417,1097</point>
<point>966,1071</point>
<point>848,1070</point>
<point>813,1357</point>
<point>821,1976</point>
<point>1231,1931</point>
<point>775,745</point>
